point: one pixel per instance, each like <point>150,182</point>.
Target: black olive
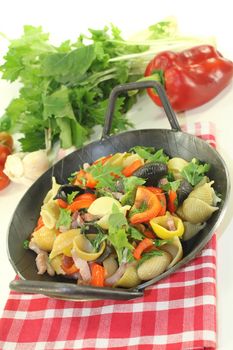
<point>152,172</point>
<point>183,191</point>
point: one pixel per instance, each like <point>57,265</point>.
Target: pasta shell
<point>176,165</point>
<point>44,238</point>
<point>174,249</point>
<point>179,212</point>
<point>204,192</point>
<point>84,249</point>
<point>196,211</point>
<point>130,158</point>
<point>64,243</point>
<point>203,181</point>
<point>117,159</point>
<point>110,265</point>
<point>154,266</point>
<point>102,206</point>
<point>190,230</point>
<point>50,212</point>
<point>103,222</point>
<point>129,279</point>
<point>52,193</point>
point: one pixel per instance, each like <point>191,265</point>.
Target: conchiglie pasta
<point>129,279</point>
<point>190,230</point>
<point>50,212</point>
<point>174,248</point>
<point>64,243</point>
<point>44,238</point>
<point>176,165</point>
<point>52,193</point>
<point>205,193</point>
<point>196,211</point>
<point>154,266</point>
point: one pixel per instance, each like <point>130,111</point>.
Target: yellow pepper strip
<point>161,229</point>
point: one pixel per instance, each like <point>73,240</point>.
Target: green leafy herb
<point>105,174</point>
<point>130,185</point>
<point>71,196</point>
<point>150,154</point>
<point>100,237</point>
<point>72,177</point>
<point>26,244</point>
<point>171,185</point>
<point>143,207</point>
<point>117,234</point>
<point>64,218</point>
<point>135,234</point>
<point>195,171</point>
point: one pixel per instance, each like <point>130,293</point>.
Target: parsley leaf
<point>171,185</point>
<point>117,234</point>
<point>71,196</point>
<point>150,154</point>
<point>64,219</point>
<point>194,171</point>
<point>105,174</point>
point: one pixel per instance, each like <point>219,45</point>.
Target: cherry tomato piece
<point>4,180</point>
<point>4,152</point>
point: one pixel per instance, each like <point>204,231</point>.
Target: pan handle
<point>72,291</point>
<point>117,90</point>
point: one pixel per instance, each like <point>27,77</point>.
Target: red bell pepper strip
<point>85,179</point>
<point>97,275</point>
<point>161,196</point>
<point>61,203</point>
<point>68,265</point>
<point>130,169</point>
<point>172,201</point>
<point>40,224</point>
<point>144,244</point>
<point>145,196</point>
<point>191,77</point>
<point>82,201</point>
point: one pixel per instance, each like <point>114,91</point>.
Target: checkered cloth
<point>177,313</point>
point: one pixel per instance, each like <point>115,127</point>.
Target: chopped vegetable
<point>191,77</point>
<point>64,218</point>
<point>97,275</point>
<point>153,206</point>
<point>195,171</point>
<point>129,170</point>
<point>4,179</point>
<point>144,244</point>
<point>160,226</point>
<point>172,201</point>
<point>65,89</point>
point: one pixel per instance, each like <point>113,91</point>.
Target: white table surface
<point>67,20</point>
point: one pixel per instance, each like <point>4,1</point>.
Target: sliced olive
<point>183,191</point>
<point>152,172</point>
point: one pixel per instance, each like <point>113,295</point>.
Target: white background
<point>65,20</point>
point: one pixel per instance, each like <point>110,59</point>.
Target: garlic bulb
<point>26,167</point>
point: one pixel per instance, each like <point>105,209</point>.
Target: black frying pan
<point>174,142</point>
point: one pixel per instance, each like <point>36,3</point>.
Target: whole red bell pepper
<point>191,77</point>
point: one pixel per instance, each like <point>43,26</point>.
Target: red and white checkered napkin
<point>177,313</point>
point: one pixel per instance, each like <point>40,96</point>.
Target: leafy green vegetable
<point>130,185</point>
<point>65,89</point>
<point>26,244</point>
<point>171,185</point>
<point>100,237</point>
<point>117,233</point>
<point>71,196</point>
<point>64,218</point>
<point>194,171</point>
<point>105,174</point>
<point>150,154</point>
<point>135,234</point>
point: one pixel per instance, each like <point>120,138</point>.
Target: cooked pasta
<point>122,220</point>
